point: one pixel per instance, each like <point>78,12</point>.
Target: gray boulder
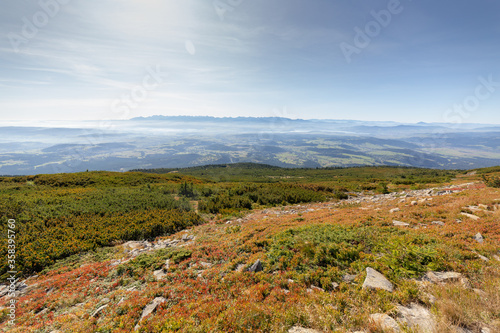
<point>385,322</point>
<point>256,267</point>
<point>417,318</point>
<point>375,280</point>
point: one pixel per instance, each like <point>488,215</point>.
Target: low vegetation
<point>313,246</point>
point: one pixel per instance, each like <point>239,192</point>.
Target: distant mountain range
<point>184,141</point>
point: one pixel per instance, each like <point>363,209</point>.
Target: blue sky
<point>432,61</point>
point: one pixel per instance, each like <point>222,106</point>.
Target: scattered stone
<point>473,217</point>
<point>438,223</point>
<point>159,274</point>
<point>417,317</point>
<point>375,280</point>
<point>98,311</point>
<point>314,288</point>
<point>256,267</point>
<point>105,300</point>
<point>479,238</point>
<point>400,224</point>
<point>348,278</point>
<point>167,264</point>
<point>205,264</point>
<point>447,277</point>
<point>442,277</point>
<point>485,330</point>
<point>394,210</point>
<point>150,308</point>
<point>414,203</point>
<point>459,329</point>
<point>431,298</point>
<point>479,292</point>
<point>483,258</point>
<point>497,258</point>
<point>298,329</point>
<point>335,285</point>
<point>385,322</point>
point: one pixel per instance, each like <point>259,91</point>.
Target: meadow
<point>313,243</point>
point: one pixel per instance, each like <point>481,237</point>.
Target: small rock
<point>442,277</point>
<point>298,329</point>
<point>150,308</point>
<point>438,223</point>
<point>431,298</point>
<point>414,203</point>
<point>483,258</point>
<point>400,224</point>
<point>348,277</point>
<point>159,274</point>
<point>317,288</point>
<point>485,330</point>
<point>459,329</point>
<point>335,285</point>
<point>256,267</point>
<point>97,312</point>
<point>473,217</point>
<point>375,280</point>
<point>417,317</point>
<point>205,264</point>
<point>497,258</point>
<point>479,292</point>
<point>385,322</point>
<point>479,238</point>
<point>394,210</point>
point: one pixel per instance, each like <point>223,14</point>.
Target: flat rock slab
<point>151,307</point>
<point>98,311</point>
<point>479,238</point>
<point>385,322</point>
<point>298,329</point>
<point>375,280</point>
<point>473,217</point>
<point>417,317</point>
<point>442,277</point>
<point>159,274</point>
<point>400,224</point>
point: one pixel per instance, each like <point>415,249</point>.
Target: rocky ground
<point>78,295</point>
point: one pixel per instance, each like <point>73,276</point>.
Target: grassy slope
<point>312,244</point>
